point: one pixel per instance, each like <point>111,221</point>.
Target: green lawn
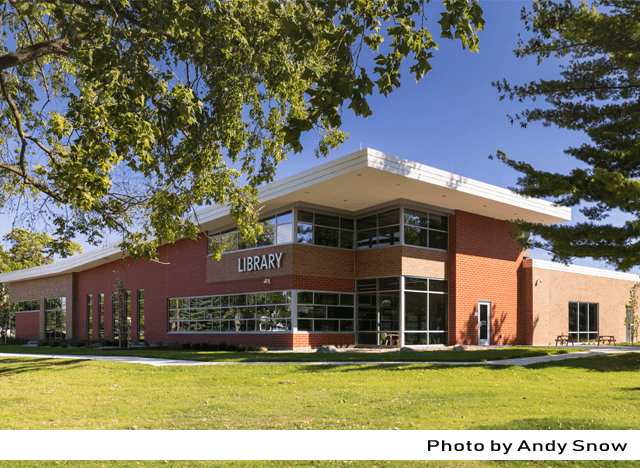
<point>588,393</point>
<point>324,464</point>
<point>210,356</point>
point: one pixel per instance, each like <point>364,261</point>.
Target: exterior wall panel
<point>610,294</point>
<point>55,286</point>
<point>28,325</point>
<point>486,267</point>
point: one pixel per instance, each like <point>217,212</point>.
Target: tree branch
<point>22,56</point>
<point>16,115</point>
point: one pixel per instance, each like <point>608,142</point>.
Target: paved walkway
<point>597,351</point>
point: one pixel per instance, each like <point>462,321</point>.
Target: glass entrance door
<point>484,323</point>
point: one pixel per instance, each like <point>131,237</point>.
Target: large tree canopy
<point>598,93</point>
<point>125,115</point>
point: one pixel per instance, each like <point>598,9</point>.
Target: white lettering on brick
<point>264,262</point>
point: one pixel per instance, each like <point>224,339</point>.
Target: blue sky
<point>453,119</point>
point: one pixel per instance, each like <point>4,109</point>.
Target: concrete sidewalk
<point>178,362</point>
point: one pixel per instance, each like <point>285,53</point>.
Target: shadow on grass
<point>557,424</point>
<point>606,363</point>
<point>212,356</point>
<point>13,366</point>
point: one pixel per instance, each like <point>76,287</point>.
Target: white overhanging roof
<point>352,184</point>
<point>583,270</point>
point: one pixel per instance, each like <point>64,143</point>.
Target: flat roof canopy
<point>352,184</point>
<point>368,178</point>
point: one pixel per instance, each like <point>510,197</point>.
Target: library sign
<point>260,262</point>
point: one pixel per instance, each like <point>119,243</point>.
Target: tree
<point>26,250</point>
<point>598,93</point>
<point>631,319</point>
<point>126,115</point>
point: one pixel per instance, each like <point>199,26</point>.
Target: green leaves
<point>160,107</point>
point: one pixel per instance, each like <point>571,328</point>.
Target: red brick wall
<point>485,265</point>
<point>28,325</point>
<point>184,270</point>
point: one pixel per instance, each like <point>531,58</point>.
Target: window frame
<point>230,230</point>
<point>298,304</point>
<point>224,304</point>
<point>576,334</point>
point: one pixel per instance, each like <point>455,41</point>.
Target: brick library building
<point>369,249</point>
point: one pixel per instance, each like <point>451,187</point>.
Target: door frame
<point>487,341</point>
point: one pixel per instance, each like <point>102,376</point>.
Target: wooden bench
<point>608,339</point>
<point>564,340</point>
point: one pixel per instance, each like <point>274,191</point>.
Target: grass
<point>600,392</point>
<point>322,464</point>
<point>212,356</point>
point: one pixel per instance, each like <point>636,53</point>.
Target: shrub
<point>222,346</point>
<point>157,343</point>
<point>80,343</point>
<point>146,343</point>
<point>231,347</point>
<point>186,346</point>
<point>43,343</point>
<point>196,346</point>
<point>53,343</point>
<point>242,348</point>
<point>174,345</point>
<point>64,344</point>
<point>206,347</point>
<point>258,349</point>
<point>213,347</point>
<point>12,340</point>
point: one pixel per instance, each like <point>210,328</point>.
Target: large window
<point>583,321</point>
<point>426,311</point>
<point>325,230</point>
<point>140,315</point>
<point>55,314</point>
<point>275,230</point>
<point>89,314</point>
<point>266,311</point>
<point>325,312</point>
<point>25,306</point>
<point>101,316</point>
<point>115,307</point>
<point>425,229</point>
<point>379,230</point>
<point>378,310</point>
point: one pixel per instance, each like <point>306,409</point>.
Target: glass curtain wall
<point>378,311</point>
<point>268,312</point>
<point>426,311</point>
<point>55,314</point>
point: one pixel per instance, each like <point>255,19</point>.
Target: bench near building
<point>369,249</point>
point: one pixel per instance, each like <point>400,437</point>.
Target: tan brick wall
<point>424,262</point>
<point>323,262</point>
<point>376,263</point>
<point>551,302</point>
<point>41,289</point>
<point>226,269</point>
